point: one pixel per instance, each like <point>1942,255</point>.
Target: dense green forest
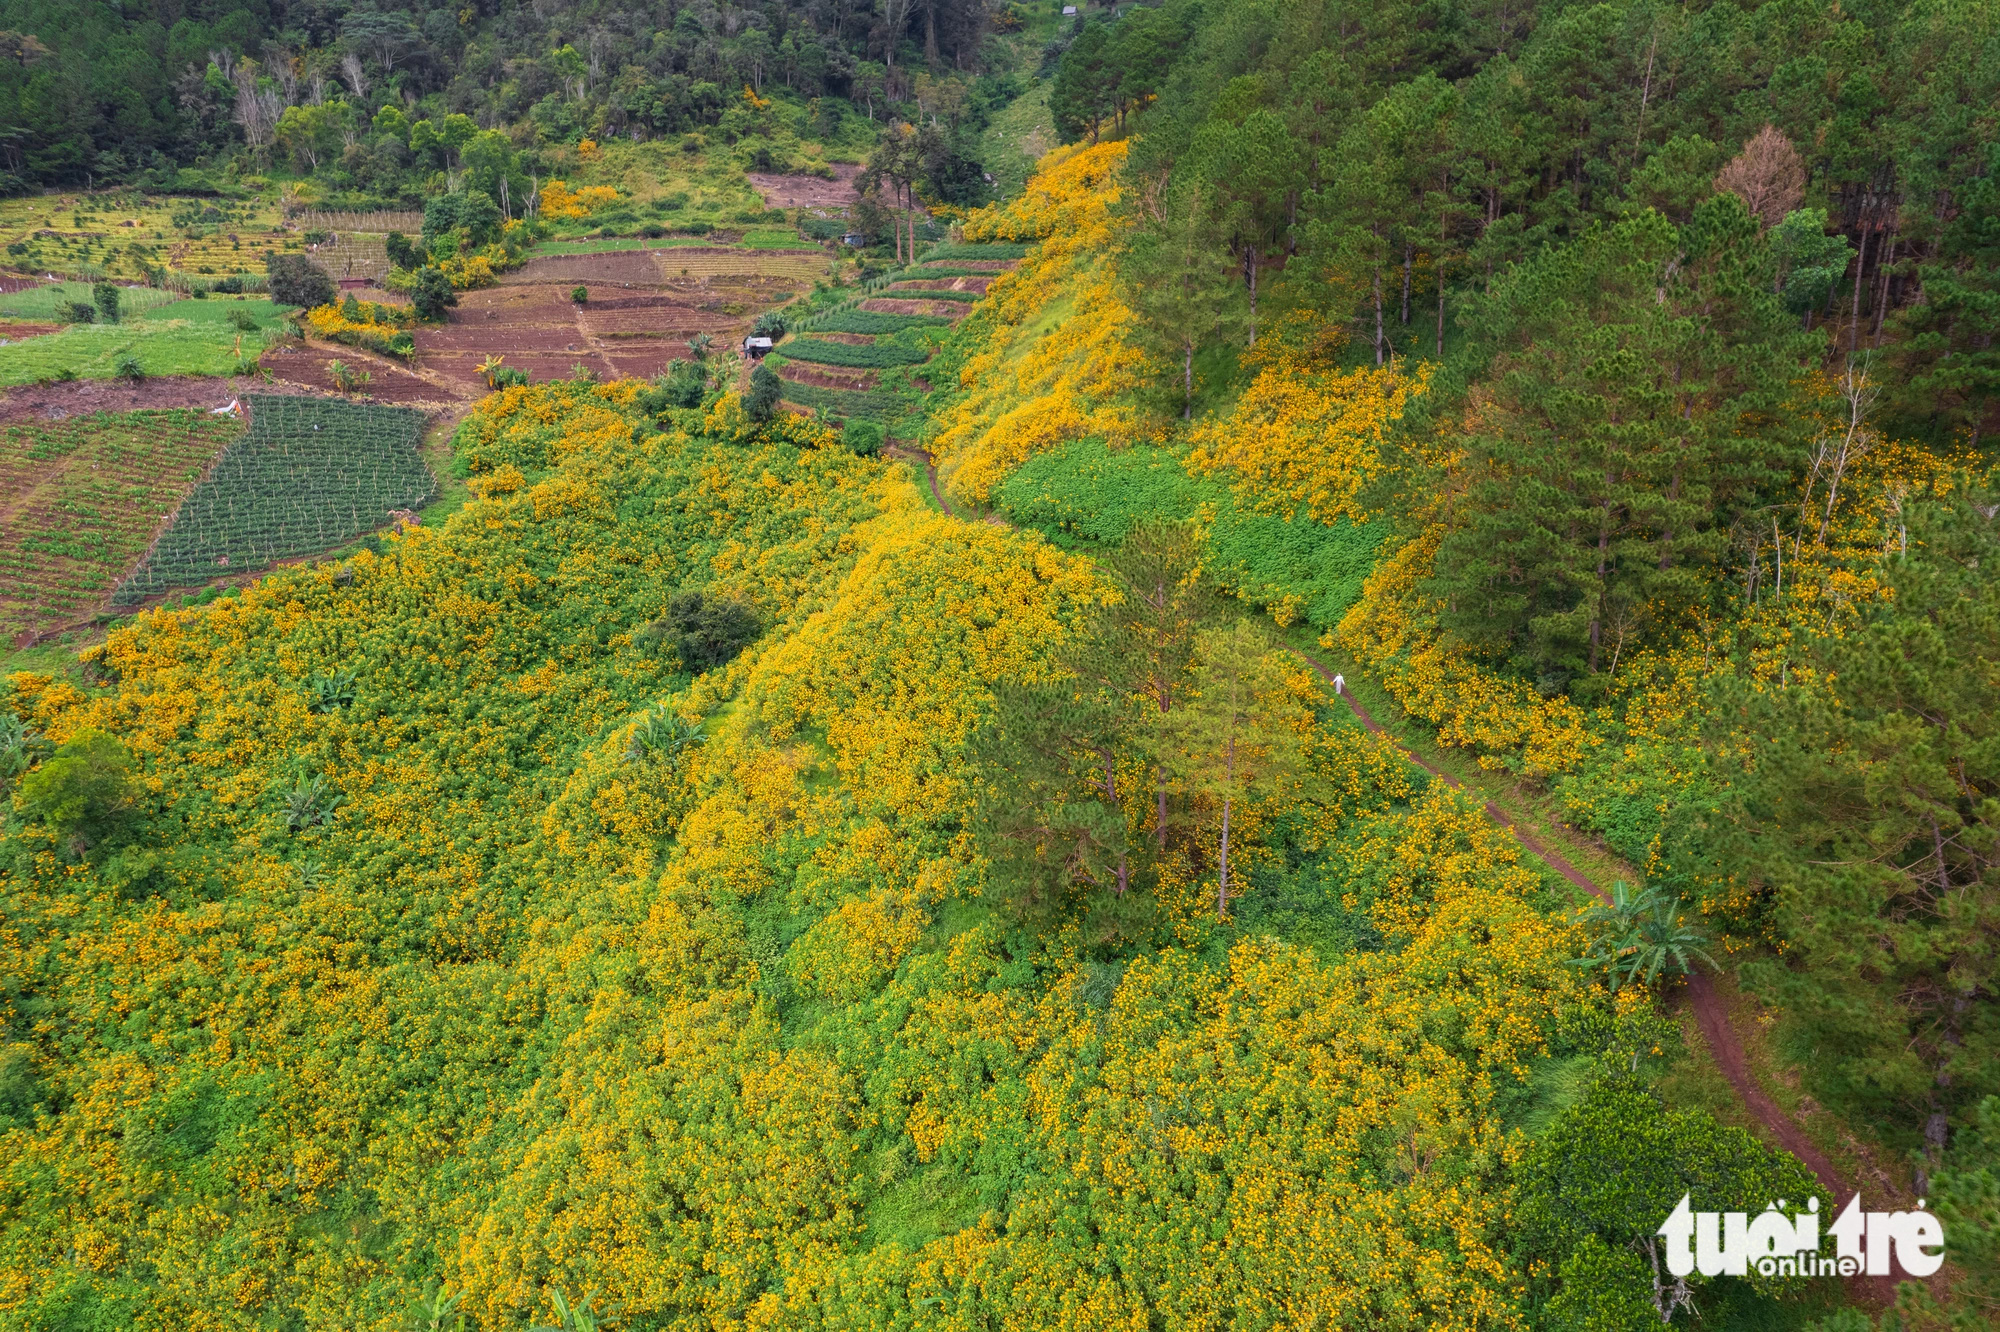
<point>374,102</point>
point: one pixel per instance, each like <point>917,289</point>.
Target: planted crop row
<point>844,403</point>
<point>930,270</point>
<point>868,321</point>
<point>874,356</point>
<point>928,294</point>
<point>92,491</point>
<point>978,250</point>
<point>309,474</point>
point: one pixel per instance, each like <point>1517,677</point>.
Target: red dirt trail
<point>1710,1013</point>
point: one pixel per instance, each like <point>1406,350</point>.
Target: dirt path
<point>911,453</point>
<point>1711,1014</point>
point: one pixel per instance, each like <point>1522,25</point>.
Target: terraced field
<point>82,498</point>
<point>863,362</point>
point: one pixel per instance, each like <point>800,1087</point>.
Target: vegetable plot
<point>308,475</point>
<point>875,356</point>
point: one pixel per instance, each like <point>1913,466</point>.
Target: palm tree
<point>1642,934</point>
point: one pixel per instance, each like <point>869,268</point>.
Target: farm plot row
<point>81,498</point>
<point>870,322</point>
<point>648,267</point>
<point>308,475</point>
<point>870,356</point>
<point>872,405</point>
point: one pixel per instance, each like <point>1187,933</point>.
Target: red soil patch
<point>808,191</point>
<point>20,332</point>
<point>305,367</point>
<point>53,402</point>
<point>823,377</point>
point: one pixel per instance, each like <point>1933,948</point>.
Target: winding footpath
<point>1711,1015</point>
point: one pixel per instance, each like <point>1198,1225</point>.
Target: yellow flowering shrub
<point>560,202</point>
<point>726,1034</point>
<point>1306,435</point>
<point>380,327</point>
<point>1054,359</point>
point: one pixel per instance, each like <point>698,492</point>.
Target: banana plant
<point>661,736</point>
<point>1641,934</point>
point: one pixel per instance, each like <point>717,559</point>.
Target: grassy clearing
<point>1016,139</point>
<point>94,351</point>
<point>91,492</point>
<point>52,300</point>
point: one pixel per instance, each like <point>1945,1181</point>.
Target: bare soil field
<point>978,284</point>
<point>304,366</point>
<point>10,332</point>
<point>54,402</point>
<point>808,191</point>
<point>641,310</point>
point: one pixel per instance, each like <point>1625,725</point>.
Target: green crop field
<point>873,356</point>
<point>869,321</point>
<point>901,293</point>
<point>872,405</point>
<point>308,475</point>
<point>976,250</point>
<point>89,493</point>
<point>775,240</point>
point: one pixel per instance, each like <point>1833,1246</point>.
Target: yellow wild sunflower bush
<point>409,954</point>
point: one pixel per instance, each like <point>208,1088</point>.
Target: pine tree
<point>1230,743</point>
<point>1637,404</point>
<point>1172,273</point>
<point>1873,815</point>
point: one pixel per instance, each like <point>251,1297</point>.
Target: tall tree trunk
<point>1187,380</point>
<point>1882,302</point>
<point>1250,271</point>
<point>1378,316</point>
<point>1409,253</point>
<point>1860,263</point>
<point>1222,880</point>
<point>1440,271</point>
<point>1160,814</point>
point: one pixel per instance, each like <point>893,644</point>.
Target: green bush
<point>704,631</point>
<point>863,437</point>
<point>761,402</point>
<point>431,294</point>
<point>296,280</point>
<point>84,792</point>
<point>580,295</point>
